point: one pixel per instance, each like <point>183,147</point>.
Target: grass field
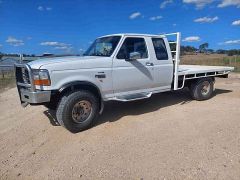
<point>212,60</point>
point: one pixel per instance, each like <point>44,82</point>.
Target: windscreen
<point>103,46</point>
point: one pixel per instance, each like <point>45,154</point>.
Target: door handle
<point>149,64</point>
<point>100,76</point>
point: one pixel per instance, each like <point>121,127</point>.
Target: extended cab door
<point>132,76</point>
<point>163,64</point>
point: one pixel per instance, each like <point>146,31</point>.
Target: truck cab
<point>137,63</point>
<point>121,67</point>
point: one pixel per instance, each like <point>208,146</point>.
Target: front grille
<point>22,75</point>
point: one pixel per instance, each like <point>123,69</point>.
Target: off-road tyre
<point>199,91</point>
<point>65,110</point>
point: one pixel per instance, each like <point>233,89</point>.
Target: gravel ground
<point>168,136</point>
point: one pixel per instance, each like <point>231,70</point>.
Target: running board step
<point>133,97</point>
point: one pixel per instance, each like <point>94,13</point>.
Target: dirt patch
<point>167,136</point>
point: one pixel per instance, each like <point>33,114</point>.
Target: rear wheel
<point>202,89</point>
<point>77,110</point>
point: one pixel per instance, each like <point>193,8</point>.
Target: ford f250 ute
<point>121,67</point>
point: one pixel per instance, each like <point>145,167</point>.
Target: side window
<point>160,48</point>
<point>131,45</point>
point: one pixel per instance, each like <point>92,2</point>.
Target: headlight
<point>41,77</point>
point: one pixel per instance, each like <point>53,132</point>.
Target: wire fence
<point>7,74</point>
<point>233,61</point>
<point>7,77</point>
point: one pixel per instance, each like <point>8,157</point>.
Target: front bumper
<point>28,93</point>
<point>35,97</point>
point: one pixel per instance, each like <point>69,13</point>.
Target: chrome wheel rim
<point>81,111</point>
<point>205,88</point>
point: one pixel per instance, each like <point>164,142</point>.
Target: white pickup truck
<point>120,67</point>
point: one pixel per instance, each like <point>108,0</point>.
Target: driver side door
<point>132,76</point>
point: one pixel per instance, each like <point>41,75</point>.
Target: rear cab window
<point>160,49</point>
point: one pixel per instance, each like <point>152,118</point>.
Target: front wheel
<point>202,89</point>
<point>77,110</point>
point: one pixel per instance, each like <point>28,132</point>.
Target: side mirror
<point>134,56</point>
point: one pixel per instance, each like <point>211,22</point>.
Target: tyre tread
<point>65,104</point>
<point>195,91</point>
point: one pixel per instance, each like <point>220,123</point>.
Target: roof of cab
<point>134,34</point>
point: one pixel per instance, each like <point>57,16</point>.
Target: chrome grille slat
<point>24,76</point>
<point>24,85</point>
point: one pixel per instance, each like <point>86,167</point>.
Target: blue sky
<point>64,26</point>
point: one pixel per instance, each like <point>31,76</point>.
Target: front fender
<point>61,79</point>
<point>84,83</point>
<point>78,83</point>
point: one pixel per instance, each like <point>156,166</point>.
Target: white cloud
<point>226,3</point>
<point>155,18</point>
<point>48,8</point>
<point>57,45</point>
<point>231,42</point>
<point>198,3</point>
<point>14,42</point>
<point>53,43</point>
<point>192,39</point>
<point>206,19</point>
<point>174,24</point>
<point>165,3</point>
<point>63,47</point>
<point>41,8</point>
<point>236,23</point>
<point>134,15</point>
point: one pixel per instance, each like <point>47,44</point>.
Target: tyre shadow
<point>221,91</point>
<point>115,110</point>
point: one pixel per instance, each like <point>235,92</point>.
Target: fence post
<point>2,74</point>
<point>21,58</point>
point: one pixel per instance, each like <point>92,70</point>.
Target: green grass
<point>232,59</point>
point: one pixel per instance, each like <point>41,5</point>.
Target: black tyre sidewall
<point>197,90</point>
<point>66,113</point>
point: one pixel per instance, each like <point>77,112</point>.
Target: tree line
<point>203,48</point>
